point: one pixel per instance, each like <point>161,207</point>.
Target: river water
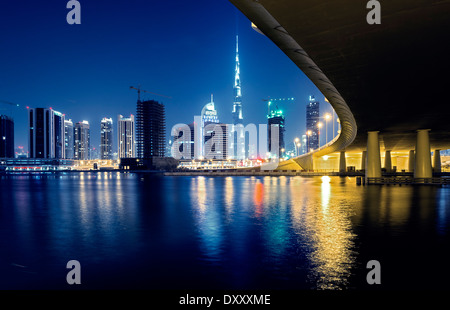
<point>144,231</point>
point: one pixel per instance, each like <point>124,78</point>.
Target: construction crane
<point>11,104</point>
<point>270,101</point>
<point>139,92</point>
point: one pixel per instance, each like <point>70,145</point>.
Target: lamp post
<point>308,133</point>
<point>298,148</point>
<point>296,140</point>
<point>319,125</point>
<point>327,117</point>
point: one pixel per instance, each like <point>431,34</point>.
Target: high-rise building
<point>125,135</point>
<point>312,121</point>
<point>68,139</point>
<point>304,145</point>
<point>208,115</point>
<point>46,133</point>
<point>82,141</point>
<point>237,145</point>
<point>150,129</point>
<point>185,145</point>
<point>275,122</point>
<point>6,137</point>
<point>237,103</point>
<point>216,140</point>
<point>106,138</point>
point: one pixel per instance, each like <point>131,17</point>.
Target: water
<point>141,231</point>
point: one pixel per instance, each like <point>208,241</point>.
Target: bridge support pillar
<point>437,161</point>
<point>373,167</point>
<point>422,168</point>
<point>363,160</point>
<point>411,161</point>
<point>387,161</point>
<point>342,162</point>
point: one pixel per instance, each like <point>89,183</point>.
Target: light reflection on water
<point>281,207</point>
<point>221,232</point>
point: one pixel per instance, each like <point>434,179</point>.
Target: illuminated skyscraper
<point>275,122</point>
<point>312,120</point>
<point>216,141</point>
<point>46,133</point>
<point>68,139</point>
<point>208,115</point>
<point>237,145</point>
<point>6,137</point>
<point>125,135</point>
<point>106,138</point>
<point>237,103</point>
<point>82,140</point>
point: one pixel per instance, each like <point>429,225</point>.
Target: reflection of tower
<point>238,145</point>
<point>312,120</point>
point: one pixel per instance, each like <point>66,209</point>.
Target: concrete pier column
<point>437,161</point>
<point>363,160</point>
<point>342,162</point>
<point>411,161</point>
<point>422,167</point>
<point>387,161</point>
<point>373,167</point>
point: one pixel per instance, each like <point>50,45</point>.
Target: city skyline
<point>101,92</point>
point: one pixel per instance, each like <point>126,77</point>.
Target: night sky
<point>182,49</point>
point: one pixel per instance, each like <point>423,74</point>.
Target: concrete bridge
<point>387,82</point>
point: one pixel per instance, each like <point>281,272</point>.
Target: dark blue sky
<point>182,49</point>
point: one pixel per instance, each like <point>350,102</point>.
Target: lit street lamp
<point>296,140</point>
<point>327,117</point>
<point>308,133</point>
<point>319,125</point>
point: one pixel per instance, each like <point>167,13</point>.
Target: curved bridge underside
<point>391,77</point>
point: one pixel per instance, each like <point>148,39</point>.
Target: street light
<point>296,140</point>
<point>319,125</point>
<point>298,148</point>
<point>327,117</point>
<point>308,133</point>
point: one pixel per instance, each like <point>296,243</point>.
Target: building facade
<point>208,116</point>
<point>106,138</point>
<point>6,137</point>
<point>150,129</point>
<point>68,139</point>
<point>312,121</point>
<point>82,141</point>
<point>125,136</point>
<point>46,133</point>
<point>237,145</point>
<point>216,141</point>
<point>275,134</point>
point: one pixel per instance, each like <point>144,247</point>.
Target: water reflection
<point>223,232</point>
<point>208,217</point>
